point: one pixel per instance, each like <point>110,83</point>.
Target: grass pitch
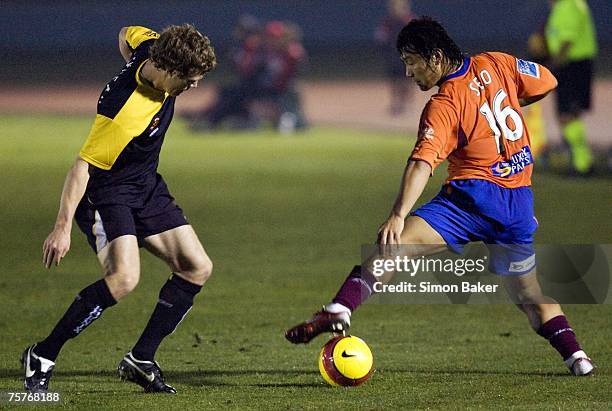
<point>283,220</point>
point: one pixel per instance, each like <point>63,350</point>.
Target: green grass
<point>283,220</point>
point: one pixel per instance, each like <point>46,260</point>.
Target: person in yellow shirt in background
<point>533,114</point>
<point>572,46</point>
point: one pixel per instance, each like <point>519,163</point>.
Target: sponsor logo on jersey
<point>154,127</point>
<point>152,34</point>
<point>527,67</point>
<point>517,163</point>
<point>154,123</point>
<point>427,132</point>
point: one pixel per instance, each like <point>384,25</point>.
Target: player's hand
<point>391,230</point>
<point>56,246</point>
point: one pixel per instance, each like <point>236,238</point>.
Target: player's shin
<point>560,335</point>
<point>357,288</point>
<point>85,309</point>
<point>175,301</point>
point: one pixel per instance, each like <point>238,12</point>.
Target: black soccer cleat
<point>147,374</point>
<point>37,371</point>
<point>321,322</point>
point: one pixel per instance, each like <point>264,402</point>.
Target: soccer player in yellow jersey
<point>121,203</point>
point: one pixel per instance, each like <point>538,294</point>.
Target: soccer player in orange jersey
<point>474,121</point>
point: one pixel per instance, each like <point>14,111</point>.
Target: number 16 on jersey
<point>498,119</point>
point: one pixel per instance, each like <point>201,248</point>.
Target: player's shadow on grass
<point>196,378</point>
<point>218,378</point>
<point>477,372</point>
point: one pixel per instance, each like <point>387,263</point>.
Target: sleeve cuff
<point>417,158</point>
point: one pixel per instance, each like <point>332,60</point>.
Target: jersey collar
<point>146,86</point>
<point>462,70</point>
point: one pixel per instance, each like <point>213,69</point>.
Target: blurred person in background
<point>266,62</point>
<point>278,97</point>
<point>533,114</point>
<point>398,15</point>
<point>248,40</point>
<point>245,57</point>
<point>572,45</point>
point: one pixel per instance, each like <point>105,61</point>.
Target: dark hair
<point>184,51</point>
<point>423,36</point>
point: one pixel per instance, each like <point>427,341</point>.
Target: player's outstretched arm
<point>414,181</point>
<point>57,243</point>
<point>124,49</point>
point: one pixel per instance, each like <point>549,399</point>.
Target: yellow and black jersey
<point>132,118</point>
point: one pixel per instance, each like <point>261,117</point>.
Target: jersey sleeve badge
<point>528,67</point>
<point>427,132</point>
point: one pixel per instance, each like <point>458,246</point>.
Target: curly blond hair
<point>183,51</point>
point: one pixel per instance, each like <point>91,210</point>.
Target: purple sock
<point>560,335</point>
<point>357,287</point>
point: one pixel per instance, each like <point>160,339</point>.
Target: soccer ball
<point>346,361</point>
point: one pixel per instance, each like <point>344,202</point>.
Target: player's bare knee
<point>203,271</point>
<point>128,284</point>
<point>197,270</point>
<point>122,283</point>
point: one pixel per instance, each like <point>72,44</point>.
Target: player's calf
<point>87,307</point>
<point>175,300</point>
<point>561,336</point>
<point>547,319</point>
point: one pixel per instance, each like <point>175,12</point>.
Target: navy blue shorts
<point>574,90</point>
<point>103,223</point>
<point>478,210</point>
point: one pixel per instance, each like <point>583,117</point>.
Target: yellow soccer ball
<point>346,361</point>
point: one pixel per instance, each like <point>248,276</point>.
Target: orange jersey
<point>475,120</point>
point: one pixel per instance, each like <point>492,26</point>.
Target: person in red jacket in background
<point>266,62</point>
<point>284,54</point>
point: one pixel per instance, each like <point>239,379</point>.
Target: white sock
<point>336,308</point>
<point>45,364</point>
<point>572,359</point>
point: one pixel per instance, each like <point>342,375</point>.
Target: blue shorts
<point>478,210</point>
<point>104,222</point>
